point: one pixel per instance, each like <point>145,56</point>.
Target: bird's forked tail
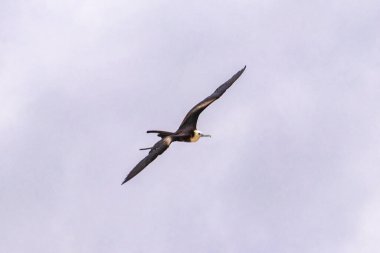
<point>145,148</point>
<point>160,133</point>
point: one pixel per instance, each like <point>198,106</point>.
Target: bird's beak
<point>205,135</point>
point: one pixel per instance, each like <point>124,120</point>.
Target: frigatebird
<point>187,131</point>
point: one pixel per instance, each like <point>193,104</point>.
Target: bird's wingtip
<point>241,71</point>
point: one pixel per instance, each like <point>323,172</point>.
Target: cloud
<point>291,166</point>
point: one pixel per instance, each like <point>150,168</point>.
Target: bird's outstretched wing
<point>156,150</point>
<point>191,118</point>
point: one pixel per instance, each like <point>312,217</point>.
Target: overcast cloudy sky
<point>293,164</point>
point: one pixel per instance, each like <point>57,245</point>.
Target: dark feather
<point>191,118</point>
<point>156,150</point>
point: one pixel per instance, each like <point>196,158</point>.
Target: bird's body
<point>186,132</point>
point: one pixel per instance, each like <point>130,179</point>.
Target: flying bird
<point>187,131</point>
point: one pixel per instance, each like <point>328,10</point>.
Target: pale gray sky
<point>293,164</point>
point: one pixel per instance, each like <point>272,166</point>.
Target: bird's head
<point>198,134</point>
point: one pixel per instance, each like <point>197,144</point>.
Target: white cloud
<point>291,166</point>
